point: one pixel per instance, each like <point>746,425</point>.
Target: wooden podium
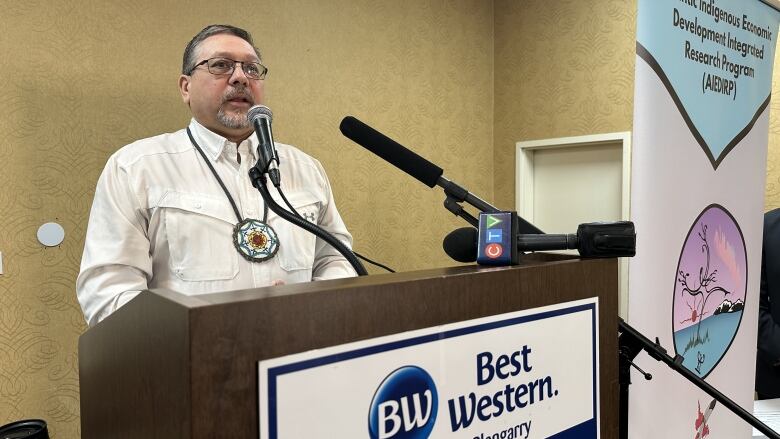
<point>169,366</point>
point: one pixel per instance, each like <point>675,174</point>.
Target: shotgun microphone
<point>421,169</point>
<point>391,151</point>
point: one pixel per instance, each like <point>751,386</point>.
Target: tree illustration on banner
<point>706,287</point>
<point>710,289</point>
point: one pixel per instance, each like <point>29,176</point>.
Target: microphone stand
<point>631,342</point>
<point>457,194</point>
<point>259,181</point>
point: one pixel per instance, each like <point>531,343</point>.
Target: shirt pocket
<point>297,248</point>
<point>199,230</point>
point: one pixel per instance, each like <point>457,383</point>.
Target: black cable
<point>295,212</point>
<point>373,262</point>
<point>259,182</point>
<point>214,171</point>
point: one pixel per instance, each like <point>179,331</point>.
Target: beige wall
<point>566,68</point>
<point>773,156</point>
<point>563,68</point>
<point>81,79</point>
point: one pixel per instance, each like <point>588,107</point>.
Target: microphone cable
<point>295,212</point>
<point>268,164</point>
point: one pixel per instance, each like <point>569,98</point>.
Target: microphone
<point>461,244</point>
<point>421,169</point>
<point>390,150</point>
<point>268,161</point>
<point>592,240</point>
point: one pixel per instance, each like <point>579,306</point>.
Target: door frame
<point>524,184</point>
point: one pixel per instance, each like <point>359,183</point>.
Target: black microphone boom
<point>593,240</point>
<point>390,150</point>
<point>421,169</point>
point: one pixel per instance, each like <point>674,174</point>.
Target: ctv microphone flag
<point>497,243</point>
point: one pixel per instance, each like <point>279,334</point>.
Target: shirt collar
<point>214,145</point>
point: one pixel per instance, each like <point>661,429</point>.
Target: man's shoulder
<point>292,154</point>
<point>160,145</point>
<point>772,215</point>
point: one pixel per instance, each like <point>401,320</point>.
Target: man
<point>162,219</point>
<point>768,356</point>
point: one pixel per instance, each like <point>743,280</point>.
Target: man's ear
<point>184,88</point>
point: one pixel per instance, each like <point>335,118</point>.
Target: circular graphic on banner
<point>709,290</point>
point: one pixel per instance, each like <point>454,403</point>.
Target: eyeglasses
<point>226,66</point>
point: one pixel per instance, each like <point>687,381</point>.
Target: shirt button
<point>198,205</point>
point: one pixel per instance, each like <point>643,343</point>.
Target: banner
<point>701,123</point>
<point>527,374</point>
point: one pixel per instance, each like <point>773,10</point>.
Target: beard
<point>235,120</point>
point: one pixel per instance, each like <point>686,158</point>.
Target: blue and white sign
<point>701,116</point>
<point>715,59</point>
<point>526,374</point>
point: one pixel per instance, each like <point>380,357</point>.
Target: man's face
<point>220,103</point>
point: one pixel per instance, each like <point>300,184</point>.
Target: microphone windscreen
<point>461,244</point>
<point>607,240</point>
<point>257,111</point>
<point>390,150</point>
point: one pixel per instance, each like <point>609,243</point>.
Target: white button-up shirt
<point>160,220</point>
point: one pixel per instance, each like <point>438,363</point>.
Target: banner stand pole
<point>631,342</point>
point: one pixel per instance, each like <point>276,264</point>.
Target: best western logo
<point>404,405</point>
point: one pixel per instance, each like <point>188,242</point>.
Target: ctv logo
<point>494,237</point>
<point>404,405</point>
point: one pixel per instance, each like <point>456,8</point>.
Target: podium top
<point>226,297</point>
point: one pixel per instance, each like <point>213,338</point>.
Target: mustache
<point>238,93</point>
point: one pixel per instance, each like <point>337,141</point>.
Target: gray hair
<point>188,61</point>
